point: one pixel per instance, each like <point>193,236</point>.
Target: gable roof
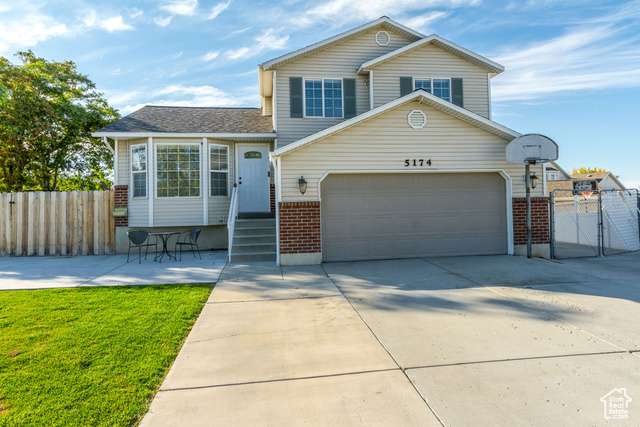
<point>192,121</point>
<point>434,39</point>
<point>382,22</point>
<point>419,94</point>
<point>598,176</point>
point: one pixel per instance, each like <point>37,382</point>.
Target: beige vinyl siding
<point>268,106</point>
<point>432,62</point>
<point>123,163</point>
<point>339,61</point>
<point>384,142</point>
<point>220,205</point>
<point>138,207</point>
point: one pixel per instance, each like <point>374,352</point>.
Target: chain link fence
<point>591,223</point>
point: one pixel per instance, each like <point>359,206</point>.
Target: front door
<point>253,178</point>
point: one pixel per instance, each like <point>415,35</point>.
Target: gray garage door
<point>378,216</point>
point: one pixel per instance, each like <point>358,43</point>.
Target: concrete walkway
<point>450,341</point>
<point>107,270</point>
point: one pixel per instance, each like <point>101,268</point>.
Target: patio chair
<point>189,238</point>
<point>137,238</point>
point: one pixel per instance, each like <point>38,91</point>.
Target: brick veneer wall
<point>300,228</point>
<point>121,200</point>
<point>539,220</point>
<point>272,195</point>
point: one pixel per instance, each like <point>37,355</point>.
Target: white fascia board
<point>560,169</point>
<point>331,40</point>
<point>488,64</point>
<point>429,99</point>
<point>616,180</point>
<point>228,136</point>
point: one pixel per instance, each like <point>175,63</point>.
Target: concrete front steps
<point>254,238</point>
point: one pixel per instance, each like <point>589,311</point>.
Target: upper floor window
<point>323,98</point>
<point>553,176</point>
<point>139,169</point>
<point>178,170</point>
<point>439,87</point>
<point>219,170</point>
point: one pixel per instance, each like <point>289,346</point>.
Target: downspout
<point>106,144</point>
<point>278,182</point>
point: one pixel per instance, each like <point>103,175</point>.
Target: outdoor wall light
<point>534,180</point>
<point>302,185</point>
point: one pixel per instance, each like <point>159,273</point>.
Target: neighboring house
<point>584,182</point>
<point>375,143</point>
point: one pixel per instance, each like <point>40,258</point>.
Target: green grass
<point>90,356</point>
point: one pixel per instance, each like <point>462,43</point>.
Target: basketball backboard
<point>531,149</point>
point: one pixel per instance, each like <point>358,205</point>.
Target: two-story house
<point>375,143</point>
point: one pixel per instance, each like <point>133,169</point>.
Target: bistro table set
<point>142,239</point>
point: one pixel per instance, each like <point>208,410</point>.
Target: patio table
<point>164,235</point>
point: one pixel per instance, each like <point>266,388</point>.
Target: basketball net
<point>587,194</point>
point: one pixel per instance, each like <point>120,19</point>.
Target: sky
<point>572,67</point>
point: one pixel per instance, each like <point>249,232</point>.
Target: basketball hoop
<point>586,194</point>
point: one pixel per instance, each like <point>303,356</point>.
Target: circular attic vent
<point>383,38</point>
<point>417,119</point>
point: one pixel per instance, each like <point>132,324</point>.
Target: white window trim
<point>146,171</point>
<point>155,175</point>
<point>431,79</point>
<point>228,171</point>
<point>304,97</point>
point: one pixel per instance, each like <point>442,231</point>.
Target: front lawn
<point>90,356</point>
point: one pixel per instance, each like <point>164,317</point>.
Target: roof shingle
<point>154,119</point>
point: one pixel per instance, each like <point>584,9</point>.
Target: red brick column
<point>121,200</point>
<point>273,197</point>
<point>539,220</point>
<point>300,228</point>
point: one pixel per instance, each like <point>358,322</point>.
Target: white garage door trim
<point>503,174</point>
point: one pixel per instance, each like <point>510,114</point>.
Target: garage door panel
<point>377,216</point>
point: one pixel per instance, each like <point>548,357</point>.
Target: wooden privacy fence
<point>57,223</point>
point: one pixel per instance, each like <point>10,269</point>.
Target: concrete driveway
<point>107,270</point>
<point>446,341</point>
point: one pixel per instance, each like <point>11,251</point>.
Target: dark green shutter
<point>295,96</point>
<point>456,92</point>
<point>406,85</point>
<point>349,98</point>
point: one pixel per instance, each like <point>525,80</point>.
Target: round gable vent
<point>382,38</point>
<point>417,119</point>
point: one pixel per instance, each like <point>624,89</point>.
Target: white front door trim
<point>262,202</point>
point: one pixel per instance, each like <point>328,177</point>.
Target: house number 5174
<point>417,162</point>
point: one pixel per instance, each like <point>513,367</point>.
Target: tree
<point>583,169</point>
<point>47,113</point>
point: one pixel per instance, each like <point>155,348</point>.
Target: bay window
<point>139,170</point>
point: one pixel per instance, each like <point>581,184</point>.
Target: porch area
<point>108,270</point>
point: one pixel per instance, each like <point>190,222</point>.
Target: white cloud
<point>163,22</point>
<point>590,57</point>
<point>181,7</point>
<point>209,56</point>
<point>28,31</point>
<point>340,12</point>
<point>218,9</point>
<point>134,13</point>
<point>237,53</point>
<point>115,23</point>
<point>423,22</point>
<point>269,40</point>
<point>198,96</point>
